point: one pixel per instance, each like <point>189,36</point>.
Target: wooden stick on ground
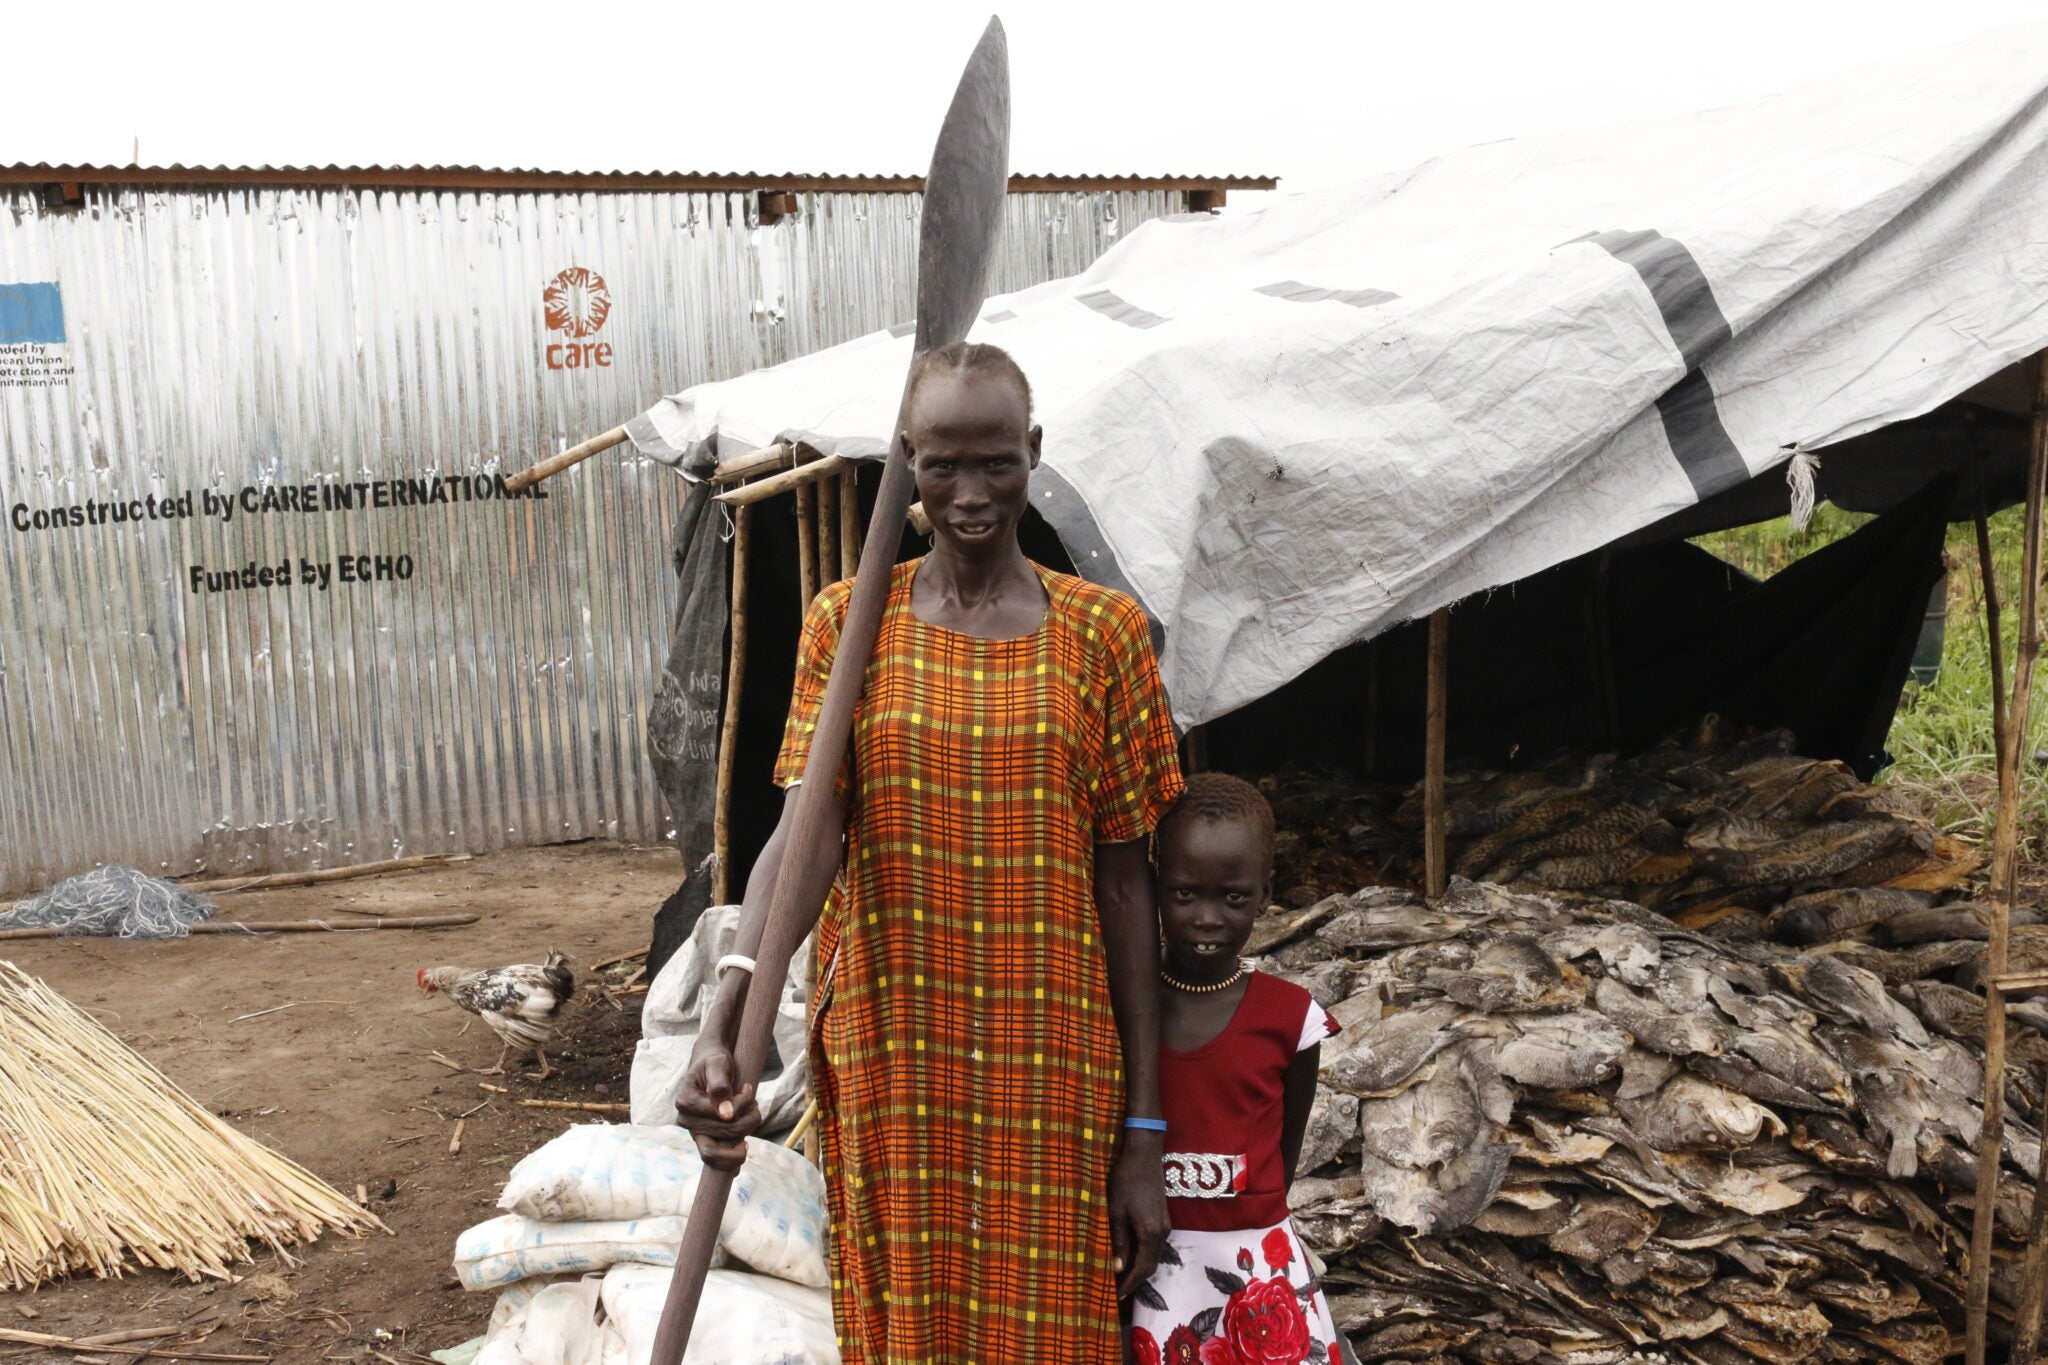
<point>615,961</point>
<point>2004,884</point>
<point>291,926</point>
<point>555,464</point>
<point>729,728</point>
<point>583,1106</point>
<point>74,1344</point>
<point>1437,875</point>
<point>325,874</point>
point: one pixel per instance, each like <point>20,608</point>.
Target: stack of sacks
<point>673,1015</point>
<point>595,1218</point>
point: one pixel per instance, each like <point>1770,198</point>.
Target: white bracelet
<point>732,960</point>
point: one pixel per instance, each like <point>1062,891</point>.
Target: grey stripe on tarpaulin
<point>1118,309</point>
<point>650,442</point>
<point>1692,422</point>
<point>1061,504</point>
<point>1003,316</point>
<point>902,329</point>
<point>1294,291</point>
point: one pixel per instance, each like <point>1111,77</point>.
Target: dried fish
<point>1561,1131</point>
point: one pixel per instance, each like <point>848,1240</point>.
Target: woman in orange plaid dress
<point>984,1027</point>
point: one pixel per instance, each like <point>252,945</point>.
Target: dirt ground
<point>342,1083</point>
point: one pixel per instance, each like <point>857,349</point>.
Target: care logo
<point>577,304</point>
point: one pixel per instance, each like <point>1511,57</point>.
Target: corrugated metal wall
<point>247,341</point>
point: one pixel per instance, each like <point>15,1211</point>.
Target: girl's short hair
<point>973,357</point>
<point>1219,796</point>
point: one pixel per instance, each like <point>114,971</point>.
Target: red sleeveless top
<point>1225,1102</point>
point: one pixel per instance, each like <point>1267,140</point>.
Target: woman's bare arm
<point>1130,942</point>
<point>711,1104</point>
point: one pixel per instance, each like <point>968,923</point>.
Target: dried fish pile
<point>1579,1134</point>
<point>1712,828</point>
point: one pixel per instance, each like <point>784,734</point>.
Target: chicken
<point>520,1003</point>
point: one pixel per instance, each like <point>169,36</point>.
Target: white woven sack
<point>742,1319</point>
<point>504,1250</point>
<point>774,1220</point>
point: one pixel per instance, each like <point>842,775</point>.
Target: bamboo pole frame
<point>828,530</point>
<point>774,485</point>
<point>1435,855</point>
<point>555,464</point>
<point>767,460</point>
<point>2011,730</point>
<point>729,726</point>
<point>849,521</point>
<point>806,534</point>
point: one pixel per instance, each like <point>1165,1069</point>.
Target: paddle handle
<point>789,920</point>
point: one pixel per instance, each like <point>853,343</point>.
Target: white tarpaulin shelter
<point>1288,430</point>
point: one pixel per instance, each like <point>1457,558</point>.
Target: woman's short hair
<point>1219,796</point>
<point>972,358</point>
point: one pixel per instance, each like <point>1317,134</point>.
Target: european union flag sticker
<point>31,312</point>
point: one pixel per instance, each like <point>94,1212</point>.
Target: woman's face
<point>972,449</point>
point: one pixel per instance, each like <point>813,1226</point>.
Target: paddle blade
<point>963,196</point>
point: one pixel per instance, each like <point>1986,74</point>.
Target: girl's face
<point>1212,884</point>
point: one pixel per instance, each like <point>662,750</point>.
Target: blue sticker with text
<point>31,312</point>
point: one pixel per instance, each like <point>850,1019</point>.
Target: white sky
<point>1314,93</point>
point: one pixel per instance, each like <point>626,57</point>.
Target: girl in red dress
<point>1237,1073</point>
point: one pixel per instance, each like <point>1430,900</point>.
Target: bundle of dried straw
<point>103,1159</point>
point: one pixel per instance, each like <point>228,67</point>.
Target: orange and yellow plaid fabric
<point>967,1066</point>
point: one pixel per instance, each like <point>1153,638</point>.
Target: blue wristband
<point>1149,1125</point>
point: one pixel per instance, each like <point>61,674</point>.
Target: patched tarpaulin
<point>1290,429</point>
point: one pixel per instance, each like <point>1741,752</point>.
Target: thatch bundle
<point>104,1162</point>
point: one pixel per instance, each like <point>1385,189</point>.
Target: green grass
<point>1941,738</point>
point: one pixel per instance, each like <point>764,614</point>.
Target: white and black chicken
<point>520,1003</point>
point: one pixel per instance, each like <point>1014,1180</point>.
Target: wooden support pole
<point>2004,883</point>
<point>729,729</point>
<point>766,460</point>
<point>806,539</point>
<point>555,464</point>
<point>828,531</point>
<point>777,484</point>
<point>1436,861</point>
<point>731,471</point>
<point>2034,1266</point>
<point>849,521</point>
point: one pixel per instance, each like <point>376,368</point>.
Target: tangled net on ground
<point>112,901</point>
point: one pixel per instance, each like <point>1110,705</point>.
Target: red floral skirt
<point>1233,1298</point>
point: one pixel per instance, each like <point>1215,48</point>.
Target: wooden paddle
<point>961,226</point>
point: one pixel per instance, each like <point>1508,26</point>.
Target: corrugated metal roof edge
<point>485,178</point>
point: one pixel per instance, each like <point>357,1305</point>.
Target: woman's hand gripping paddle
<point>962,224</point>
